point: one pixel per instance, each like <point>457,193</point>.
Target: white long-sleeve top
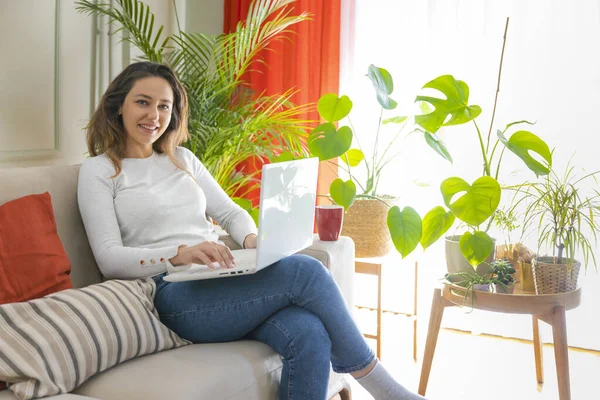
<point>136,221</point>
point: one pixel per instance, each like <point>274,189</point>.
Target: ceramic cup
<point>329,222</point>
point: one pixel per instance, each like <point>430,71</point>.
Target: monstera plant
<point>472,203</point>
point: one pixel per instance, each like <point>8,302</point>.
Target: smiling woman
<point>146,114</point>
<point>144,110</point>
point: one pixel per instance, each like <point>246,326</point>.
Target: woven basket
<point>366,223</point>
<point>550,277</point>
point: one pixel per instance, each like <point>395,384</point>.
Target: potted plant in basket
<point>366,209</point>
<point>565,220</point>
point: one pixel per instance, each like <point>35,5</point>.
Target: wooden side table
<point>549,308</point>
<point>374,266</point>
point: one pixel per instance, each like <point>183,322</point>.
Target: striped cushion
<point>52,345</point>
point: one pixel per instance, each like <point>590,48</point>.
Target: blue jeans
<point>294,306</point>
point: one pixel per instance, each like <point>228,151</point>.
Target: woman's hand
<point>205,253</point>
<point>250,241</point>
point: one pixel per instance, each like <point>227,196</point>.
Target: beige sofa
<point>246,370</point>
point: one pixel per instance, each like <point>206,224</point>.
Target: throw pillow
<point>33,261</point>
<point>52,345</point>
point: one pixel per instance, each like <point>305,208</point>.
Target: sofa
<point>238,370</point>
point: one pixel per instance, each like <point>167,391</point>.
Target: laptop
<point>288,193</point>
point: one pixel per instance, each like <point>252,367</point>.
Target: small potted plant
<point>502,276</point>
<point>506,220</point>
<point>565,221</point>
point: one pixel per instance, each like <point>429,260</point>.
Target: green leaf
<point>285,156</point>
<point>405,229</point>
<point>477,204</point>
<point>326,142</point>
<point>455,104</point>
<point>476,247</point>
<point>394,120</point>
<point>384,86</point>
<point>436,144</point>
<point>247,205</point>
<point>521,143</point>
<point>343,193</point>
<point>353,157</point>
<point>435,223</point>
<point>333,108</point>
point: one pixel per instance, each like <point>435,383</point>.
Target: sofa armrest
<point>336,256</point>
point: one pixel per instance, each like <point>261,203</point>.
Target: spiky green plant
<point>563,218</point>
<point>228,123</point>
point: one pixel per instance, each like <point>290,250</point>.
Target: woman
<point>143,201</point>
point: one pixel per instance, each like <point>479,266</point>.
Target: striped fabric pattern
<point>51,345</point>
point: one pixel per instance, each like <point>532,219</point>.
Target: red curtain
<point>309,61</point>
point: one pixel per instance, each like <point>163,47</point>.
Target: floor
<point>468,366</point>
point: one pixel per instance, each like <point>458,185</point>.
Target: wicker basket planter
<point>366,223</point>
<point>550,277</point>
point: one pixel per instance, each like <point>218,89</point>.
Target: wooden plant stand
<point>549,308</point>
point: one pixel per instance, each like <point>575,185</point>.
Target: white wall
<point>79,83</point>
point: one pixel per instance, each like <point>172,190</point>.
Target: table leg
<point>415,303</point>
<point>435,321</point>
<point>538,350</point>
<point>561,352</point>
<point>379,309</point>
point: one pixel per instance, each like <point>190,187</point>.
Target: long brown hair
<point>105,131</point>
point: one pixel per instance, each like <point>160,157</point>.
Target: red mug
<point>329,222</point>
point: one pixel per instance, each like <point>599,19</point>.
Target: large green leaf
<point>343,193</point>
<point>326,142</point>
<point>333,108</point>
<point>435,223</point>
<point>353,157</point>
<point>456,104</point>
<point>476,247</point>
<point>405,229</point>
<point>521,143</point>
<point>436,144</point>
<point>384,86</point>
<point>479,201</point>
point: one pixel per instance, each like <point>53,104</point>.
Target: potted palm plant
<point>565,221</point>
<point>228,124</point>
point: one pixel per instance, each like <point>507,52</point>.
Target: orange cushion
<point>33,261</point>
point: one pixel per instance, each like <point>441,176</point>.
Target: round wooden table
<point>549,308</point>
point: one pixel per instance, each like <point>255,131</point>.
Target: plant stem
<point>355,136</point>
<point>346,170</point>
<point>498,86</point>
<point>486,165</point>
<point>374,188</point>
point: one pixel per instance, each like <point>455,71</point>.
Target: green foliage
<point>564,219</point>
<point>228,123</point>
<point>328,142</point>
<point>502,271</point>
<point>404,227</point>
<point>506,220</point>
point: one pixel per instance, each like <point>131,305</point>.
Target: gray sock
<point>380,384</point>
